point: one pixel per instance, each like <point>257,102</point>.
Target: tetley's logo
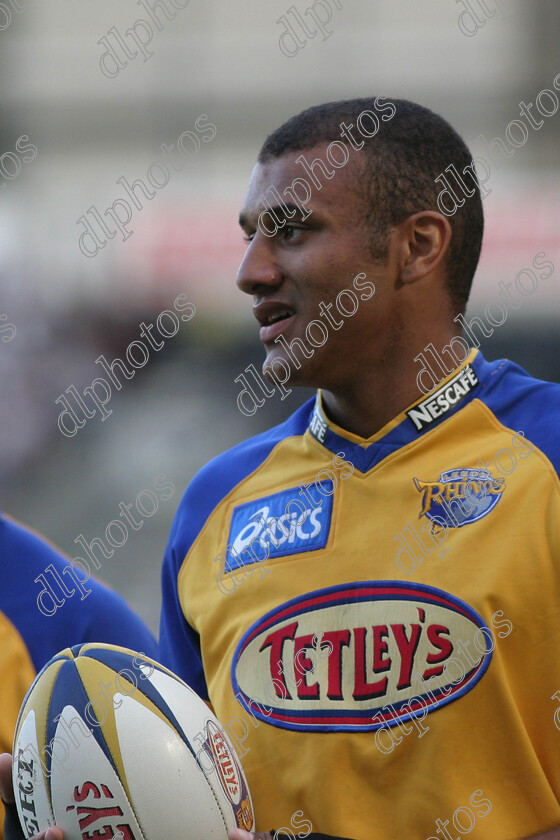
<point>360,656</point>
<point>461,496</point>
<point>229,774</point>
<point>278,525</point>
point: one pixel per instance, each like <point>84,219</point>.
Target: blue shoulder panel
<point>101,615</point>
<point>522,403</point>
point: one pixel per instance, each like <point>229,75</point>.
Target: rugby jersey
<point>375,621</point>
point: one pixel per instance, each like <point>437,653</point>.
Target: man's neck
<point>364,414</point>
<point>365,408</point>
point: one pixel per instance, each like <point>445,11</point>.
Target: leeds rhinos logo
<point>278,525</point>
<point>460,497</point>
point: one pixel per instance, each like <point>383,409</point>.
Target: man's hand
<point>6,789</point>
<point>241,834</point>
<point>12,827</point>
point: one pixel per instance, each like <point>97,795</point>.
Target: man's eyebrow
<point>283,212</point>
<point>288,211</point>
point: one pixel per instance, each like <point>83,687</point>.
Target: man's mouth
<point>274,317</point>
<point>276,326</point>
<point>280,316</point>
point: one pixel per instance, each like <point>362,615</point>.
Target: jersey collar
<point>455,391</point>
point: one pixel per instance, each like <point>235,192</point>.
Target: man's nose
<point>258,267</point>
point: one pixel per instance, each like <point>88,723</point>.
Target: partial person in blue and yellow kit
<point>46,604</point>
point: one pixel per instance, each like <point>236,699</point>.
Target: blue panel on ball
<point>112,657</point>
<point>119,661</point>
<point>68,690</point>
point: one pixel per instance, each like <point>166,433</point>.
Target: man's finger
<point>241,834</point>
<point>6,787</point>
<point>12,827</point>
<point>13,830</point>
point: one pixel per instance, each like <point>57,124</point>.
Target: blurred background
<point>85,109</point>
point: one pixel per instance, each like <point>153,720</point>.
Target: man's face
<point>297,274</point>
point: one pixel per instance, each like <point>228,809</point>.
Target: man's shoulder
<point>24,543</point>
<point>524,403</point>
<point>54,606</point>
<point>224,472</point>
<point>509,386</point>
<point>243,458</point>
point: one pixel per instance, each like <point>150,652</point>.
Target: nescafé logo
<point>461,496</point>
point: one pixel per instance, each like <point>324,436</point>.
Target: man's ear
<point>424,243</point>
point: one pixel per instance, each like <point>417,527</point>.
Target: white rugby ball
<point>110,744</point>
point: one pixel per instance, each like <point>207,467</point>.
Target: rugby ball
<point>110,744</point>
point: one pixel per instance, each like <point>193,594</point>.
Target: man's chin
<point>280,369</point>
<point>278,366</point>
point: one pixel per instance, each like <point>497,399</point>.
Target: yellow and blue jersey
<point>29,637</point>
<point>377,619</point>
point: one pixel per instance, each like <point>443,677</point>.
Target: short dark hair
<point>411,149</point>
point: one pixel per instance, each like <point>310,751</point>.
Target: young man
<point>367,594</point>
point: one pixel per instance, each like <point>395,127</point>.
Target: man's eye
<point>291,232</point>
<point>287,232</point>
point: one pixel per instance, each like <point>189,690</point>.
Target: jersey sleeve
<point>179,643</point>
<point>526,405</point>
